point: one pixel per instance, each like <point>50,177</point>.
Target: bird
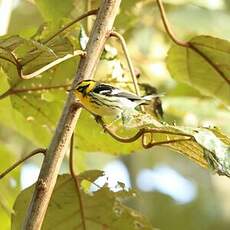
<point>102,99</point>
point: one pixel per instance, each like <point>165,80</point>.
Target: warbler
<point>106,100</point>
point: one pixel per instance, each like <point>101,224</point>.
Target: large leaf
<point>44,54</point>
<point>102,209</point>
<point>205,66</point>
<point>193,148</point>
<point>42,101</point>
<point>203,21</point>
<point>29,56</point>
<point>34,105</point>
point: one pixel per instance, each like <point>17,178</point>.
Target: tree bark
<point>60,141</point>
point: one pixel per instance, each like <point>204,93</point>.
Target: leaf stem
<point>50,65</point>
<point>168,28</point>
<point>140,133</point>
<point>76,182</point>
<point>131,68</point>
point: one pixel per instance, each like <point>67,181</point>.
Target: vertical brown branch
<point>64,130</point>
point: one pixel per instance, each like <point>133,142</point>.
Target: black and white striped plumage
<point>105,100</point>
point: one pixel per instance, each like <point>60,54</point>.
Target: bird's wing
<point>130,96</point>
<point>103,89</point>
<point>109,90</point>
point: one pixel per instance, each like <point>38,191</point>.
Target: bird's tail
<point>149,98</point>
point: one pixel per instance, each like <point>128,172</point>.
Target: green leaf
<point>188,141</point>
<point>9,44</point>
<point>127,16</point>
<point>30,55</point>
<point>208,145</point>
<point>99,140</point>
<point>102,209</point>
<point>205,67</point>
<point>40,100</point>
<point>34,105</point>
<point>11,118</point>
<point>45,54</point>
<point>203,21</point>
<point>54,10</point>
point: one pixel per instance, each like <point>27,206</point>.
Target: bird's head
<point>84,87</point>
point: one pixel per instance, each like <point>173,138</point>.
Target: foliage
<point>30,107</point>
<point>102,208</point>
<point>212,57</point>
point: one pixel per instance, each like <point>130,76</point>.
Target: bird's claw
<point>98,119</point>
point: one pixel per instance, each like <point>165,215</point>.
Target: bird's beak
<point>69,90</point>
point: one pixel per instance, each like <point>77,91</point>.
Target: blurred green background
<point>172,191</point>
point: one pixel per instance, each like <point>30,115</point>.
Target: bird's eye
<point>82,88</point>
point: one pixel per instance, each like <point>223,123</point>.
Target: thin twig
<point>34,152</point>
<point>168,28</point>
<point>50,65</point>
<point>140,133</point>
<point>13,91</point>
<point>91,12</point>
<point>131,68</point>
<point>118,138</point>
<point>76,182</point>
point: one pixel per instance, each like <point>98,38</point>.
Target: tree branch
<point>66,125</point>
